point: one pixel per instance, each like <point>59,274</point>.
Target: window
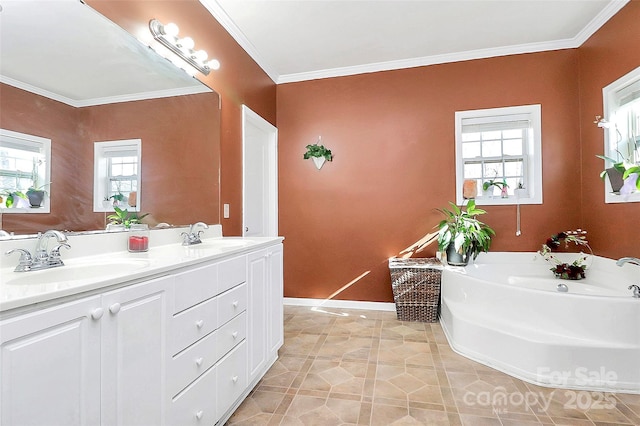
<point>622,134</point>
<point>117,175</point>
<point>501,145</point>
<point>25,162</point>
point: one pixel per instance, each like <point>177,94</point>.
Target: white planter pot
<point>318,161</point>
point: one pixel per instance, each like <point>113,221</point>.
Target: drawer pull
<point>199,323</point>
<point>235,304</point>
<point>97,313</point>
<point>199,414</point>
<point>115,308</point>
<point>199,361</point>
<point>234,379</point>
<point>234,335</point>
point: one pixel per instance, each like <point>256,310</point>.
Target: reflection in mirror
<point>622,138</point>
<point>94,90</point>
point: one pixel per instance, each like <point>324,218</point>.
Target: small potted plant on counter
<point>462,235</point>
<point>122,219</point>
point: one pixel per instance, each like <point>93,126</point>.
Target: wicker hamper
<point>416,288</point>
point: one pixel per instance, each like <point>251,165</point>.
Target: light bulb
<point>201,55</point>
<point>171,29</point>
<point>186,43</point>
<point>214,64</point>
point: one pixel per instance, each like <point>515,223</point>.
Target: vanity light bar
<point>167,35</point>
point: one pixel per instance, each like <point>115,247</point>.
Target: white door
<point>260,176</point>
<point>133,354</point>
<point>50,366</point>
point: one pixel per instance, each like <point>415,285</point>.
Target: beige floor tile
<point>348,367</point>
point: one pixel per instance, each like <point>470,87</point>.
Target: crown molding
<point>227,23</point>
<point>429,60</point>
<point>191,90</point>
<point>599,20</point>
<point>596,23</point>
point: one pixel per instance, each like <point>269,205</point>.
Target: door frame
<point>249,117</point>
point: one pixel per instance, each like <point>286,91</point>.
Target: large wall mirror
<point>71,76</point>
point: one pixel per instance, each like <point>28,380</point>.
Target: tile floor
<point>356,367</point>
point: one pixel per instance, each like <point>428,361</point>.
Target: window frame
<point>101,174</point>
<point>532,153</point>
<point>611,95</point>
<point>31,141</point>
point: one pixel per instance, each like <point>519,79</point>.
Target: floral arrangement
<point>566,271</point>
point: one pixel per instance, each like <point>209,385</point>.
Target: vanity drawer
<point>197,404</point>
<point>230,334</point>
<point>232,378</point>
<point>192,287</point>
<point>192,362</point>
<point>231,303</point>
<point>193,324</point>
<point>231,273</point>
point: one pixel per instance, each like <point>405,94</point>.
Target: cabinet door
<point>134,353</point>
<point>257,313</point>
<point>50,366</point>
<point>275,302</point>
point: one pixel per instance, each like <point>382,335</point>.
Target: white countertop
<point>86,274</point>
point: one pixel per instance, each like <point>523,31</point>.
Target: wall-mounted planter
<point>318,161</point>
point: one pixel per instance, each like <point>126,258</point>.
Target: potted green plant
<point>318,153</point>
<point>624,172</point>
<point>9,197</point>
<point>36,194</point>
<point>462,235</point>
<point>124,217</point>
<point>487,186</point>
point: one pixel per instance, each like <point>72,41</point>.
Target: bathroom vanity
<point>178,335</point>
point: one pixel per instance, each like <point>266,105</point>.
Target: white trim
<point>610,99</point>
<point>251,117</point>
<point>534,154</point>
<point>100,172</point>
<point>570,43</point>
<point>343,304</point>
<point>46,146</point>
<point>192,90</point>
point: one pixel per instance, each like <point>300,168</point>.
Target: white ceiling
<point>64,50</point>
<point>295,40</point>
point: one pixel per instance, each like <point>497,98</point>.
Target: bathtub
<point>504,311</point>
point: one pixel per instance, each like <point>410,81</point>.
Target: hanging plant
<point>318,151</point>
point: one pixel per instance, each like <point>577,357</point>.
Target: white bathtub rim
<point>523,375</point>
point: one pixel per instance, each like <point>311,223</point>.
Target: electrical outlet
<point>225,213</point>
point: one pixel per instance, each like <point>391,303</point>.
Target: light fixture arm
<point>158,31</point>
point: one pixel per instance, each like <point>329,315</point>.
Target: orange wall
<point>238,81</point>
<point>608,55</point>
<point>392,134</point>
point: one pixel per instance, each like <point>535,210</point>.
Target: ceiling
<point>296,40</point>
<point>66,51</point>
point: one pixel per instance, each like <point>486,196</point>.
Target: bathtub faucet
<point>636,290</point>
<point>624,260</point>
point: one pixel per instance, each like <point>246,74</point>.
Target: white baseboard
<point>345,304</point>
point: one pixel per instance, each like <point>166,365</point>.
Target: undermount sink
<point>76,272</point>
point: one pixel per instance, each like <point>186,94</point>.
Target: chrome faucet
<point>43,258</point>
<point>624,260</point>
<point>193,236</point>
<point>4,233</point>
<point>635,261</point>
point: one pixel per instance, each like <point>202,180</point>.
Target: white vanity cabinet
<point>265,313</point>
<point>181,347</point>
<point>98,360</point>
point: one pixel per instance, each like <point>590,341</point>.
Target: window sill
<point>499,201</point>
